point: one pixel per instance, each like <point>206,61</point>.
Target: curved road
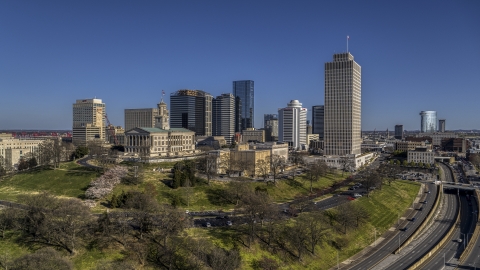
<point>424,247</point>
<point>453,249</point>
<point>398,236</point>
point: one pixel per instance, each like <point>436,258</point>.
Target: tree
<point>55,222</point>
<point>315,170</point>
<point>315,228</point>
<point>346,164</point>
<point>8,220</point>
<point>263,167</point>
<point>80,152</point>
<point>277,165</point>
<point>344,216</point>
<point>255,206</point>
<point>208,166</point>
<point>44,259</point>
<point>22,164</point>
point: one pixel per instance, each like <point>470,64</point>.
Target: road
<point>453,249</point>
<point>473,260</point>
<point>396,237</point>
<point>429,242</point>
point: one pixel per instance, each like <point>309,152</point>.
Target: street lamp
<point>398,244</point>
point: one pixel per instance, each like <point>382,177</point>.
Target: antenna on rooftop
<point>348,37</point>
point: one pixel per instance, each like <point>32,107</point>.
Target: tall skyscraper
<point>441,125</point>
<point>428,121</point>
<point>318,113</point>
<point>223,116</point>
<point>244,91</point>
<point>191,109</point>
<point>88,120</point>
<point>292,125</point>
<point>343,106</point>
<point>270,124</point>
<point>398,132</point>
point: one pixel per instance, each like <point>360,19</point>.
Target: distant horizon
<point>126,53</point>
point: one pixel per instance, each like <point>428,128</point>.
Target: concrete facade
<point>342,120</point>
<point>292,125</point>
<point>12,150</point>
<point>88,121</point>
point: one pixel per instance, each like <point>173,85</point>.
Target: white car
<point>229,223</point>
<point>356,195</point>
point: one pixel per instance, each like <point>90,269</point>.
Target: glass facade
<point>244,91</point>
<point>428,122</point>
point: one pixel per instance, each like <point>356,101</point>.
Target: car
<point>208,225</point>
<point>351,188</point>
<point>229,223</point>
<point>425,202</point>
<point>459,240</point>
<point>404,229</point>
<point>420,209</point>
<point>413,219</point>
<point>356,195</point>
<point>351,198</point>
<point>187,212</point>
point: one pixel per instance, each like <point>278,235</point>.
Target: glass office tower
<point>244,92</point>
<point>428,122</point>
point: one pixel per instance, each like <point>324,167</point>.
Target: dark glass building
<point>244,92</point>
<point>318,112</point>
<point>191,109</point>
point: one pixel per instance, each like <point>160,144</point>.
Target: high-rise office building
<point>140,118</point>
<point>244,91</point>
<point>343,114</point>
<point>428,121</point>
<point>223,116</point>
<point>191,109</point>
<point>441,125</point>
<point>398,132</point>
<point>292,125</point>
<point>270,124</point>
<point>88,120</point>
<point>318,113</point>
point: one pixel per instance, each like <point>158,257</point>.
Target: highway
<point>453,248</point>
<point>473,260</point>
<point>396,237</point>
<point>435,237</point>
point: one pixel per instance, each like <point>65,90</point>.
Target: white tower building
<point>292,125</point>
<point>88,120</point>
<point>343,106</point>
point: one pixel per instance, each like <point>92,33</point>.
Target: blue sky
<point>415,55</point>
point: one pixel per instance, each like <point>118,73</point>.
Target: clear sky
<point>415,55</point>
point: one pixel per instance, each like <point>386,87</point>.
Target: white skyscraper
<point>292,125</point>
<point>343,119</point>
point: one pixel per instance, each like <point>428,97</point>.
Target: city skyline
<point>126,53</point>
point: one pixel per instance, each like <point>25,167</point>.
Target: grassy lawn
<point>382,206</point>
<point>209,197</point>
<point>70,180</point>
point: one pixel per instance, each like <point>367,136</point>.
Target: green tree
<point>80,152</point>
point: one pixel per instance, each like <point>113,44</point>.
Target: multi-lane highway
<point>395,238</point>
<point>452,250</point>
<point>443,226</point>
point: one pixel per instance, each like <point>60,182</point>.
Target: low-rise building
<point>253,135</point>
<point>421,155</point>
<point>12,150</point>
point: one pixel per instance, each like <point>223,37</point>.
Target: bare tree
<point>346,164</point>
<point>208,166</point>
<point>315,170</point>
<point>263,166</point>
<point>277,165</point>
